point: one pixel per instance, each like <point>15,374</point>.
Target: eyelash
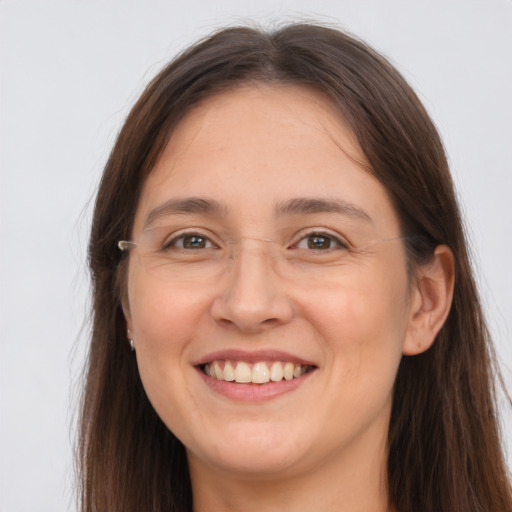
<point>339,242</point>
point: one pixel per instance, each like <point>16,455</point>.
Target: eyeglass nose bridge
<point>237,247</point>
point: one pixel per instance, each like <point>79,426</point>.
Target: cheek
<point>363,321</point>
<point>361,310</point>
<point>165,316</point>
<point>165,320</point>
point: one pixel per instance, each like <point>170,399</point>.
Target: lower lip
<point>253,392</point>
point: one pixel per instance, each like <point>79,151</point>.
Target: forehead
<point>260,122</point>
<point>257,146</point>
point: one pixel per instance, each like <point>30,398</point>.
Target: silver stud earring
<point>130,340</point>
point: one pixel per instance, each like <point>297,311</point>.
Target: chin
<point>253,452</point>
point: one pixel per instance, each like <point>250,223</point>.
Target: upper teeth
<point>258,373</point>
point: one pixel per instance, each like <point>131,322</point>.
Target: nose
<point>253,298</point>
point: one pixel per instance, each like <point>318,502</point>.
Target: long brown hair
<point>444,446</point>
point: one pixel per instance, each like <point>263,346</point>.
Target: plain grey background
<point>69,72</point>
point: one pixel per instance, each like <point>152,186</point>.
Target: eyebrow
<point>296,206</point>
<point>191,205</point>
<point>307,206</point>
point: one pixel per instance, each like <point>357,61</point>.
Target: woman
<point>284,311</point>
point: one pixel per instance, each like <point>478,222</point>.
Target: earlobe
<point>127,316</point>
<point>431,300</point>
<point>129,331</point>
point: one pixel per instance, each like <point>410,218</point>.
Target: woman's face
<point>265,249</point>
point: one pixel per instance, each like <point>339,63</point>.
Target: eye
<point>190,241</point>
<point>320,242</point>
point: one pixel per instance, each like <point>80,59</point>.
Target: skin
<point>322,445</point>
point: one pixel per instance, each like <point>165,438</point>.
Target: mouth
<point>259,372</point>
<point>254,376</point>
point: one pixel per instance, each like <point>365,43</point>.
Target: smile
<point>261,372</point>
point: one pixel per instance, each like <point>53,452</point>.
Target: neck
<point>355,482</point>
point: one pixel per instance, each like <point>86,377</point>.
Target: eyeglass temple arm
<point>125,245</point>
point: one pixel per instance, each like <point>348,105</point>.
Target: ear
<point>431,299</point>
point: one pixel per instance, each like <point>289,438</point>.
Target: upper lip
<point>252,357</point>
